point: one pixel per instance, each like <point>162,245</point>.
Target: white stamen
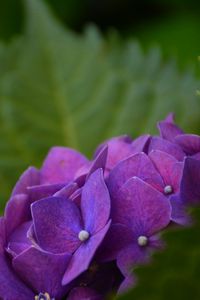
<point>168,189</point>
<point>83,235</point>
<point>142,240</point>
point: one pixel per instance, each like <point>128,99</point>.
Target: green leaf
<point>59,88</point>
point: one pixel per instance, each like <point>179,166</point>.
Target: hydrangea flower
<point>76,229</point>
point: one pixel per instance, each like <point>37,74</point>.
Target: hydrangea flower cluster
<point>76,229</point>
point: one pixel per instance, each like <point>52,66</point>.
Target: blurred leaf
<point>171,34</point>
<point>174,274</point>
<point>57,87</point>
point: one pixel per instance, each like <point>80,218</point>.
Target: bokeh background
<point>64,83</point>
<point>173,25</point>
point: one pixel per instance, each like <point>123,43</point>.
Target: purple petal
<point>61,165</point>
<point>17,212</point>
<point>38,192</point>
<point>138,165</point>
<point>15,248</point>
<point>127,284</point>
<point>190,143</point>
<point>11,287</point>
<point>42,271</point>
<point>141,207</point>
<point>76,197</point>
<point>30,177</point>
<point>118,149</point>
<point>67,190</point>
<point>169,168</point>
<point>20,234</point>
<point>82,258</point>
<point>118,237</point>
<point>95,202</point>
<point>2,234</point>
<point>170,118</point>
<point>19,241</point>
<point>130,257</point>
<point>141,144</point>
<point>57,223</point>
<point>190,187</point>
<point>81,174</point>
<point>166,146</point>
<point>99,161</point>
<point>196,156</point>
<point>169,130</point>
<point>83,293</point>
<point>179,214</point>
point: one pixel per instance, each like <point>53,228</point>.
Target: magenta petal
<point>17,211</point>
<point>169,130</point>
<point>67,190</point>
<point>99,161</point>
<point>42,271</point>
<point>141,207</point>
<point>20,234</point>
<point>190,143</point>
<point>130,257</point>
<point>166,146</point>
<point>82,258</point>
<point>38,192</point>
<point>170,118</point>
<point>138,165</point>
<point>57,223</point>
<point>141,144</point>
<point>83,293</point>
<point>95,202</point>
<point>169,168</point>
<point>16,248</point>
<point>118,237</point>
<point>61,165</point>
<point>118,149</point>
<point>179,214</point>
<point>2,234</point>
<point>127,284</point>
<point>190,187</point>
<point>30,177</point>
<point>11,287</point>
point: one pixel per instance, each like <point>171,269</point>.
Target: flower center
<point>83,235</point>
<point>168,189</point>
<point>44,296</point>
<point>142,240</point>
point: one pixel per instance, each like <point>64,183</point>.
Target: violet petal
<point>61,165</point>
<point>169,168</point>
<point>138,165</point>
<point>141,144</point>
<point>83,293</point>
<point>95,202</point>
<point>42,271</point>
<point>82,258</point>
<point>30,177</point>
<point>17,211</point>
<point>190,187</point>
<point>175,150</point>
<point>190,143</point>
<point>57,223</point>
<point>11,287</point>
<point>141,207</point>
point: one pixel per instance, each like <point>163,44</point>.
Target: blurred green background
<point>64,83</point>
<point>173,25</point>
